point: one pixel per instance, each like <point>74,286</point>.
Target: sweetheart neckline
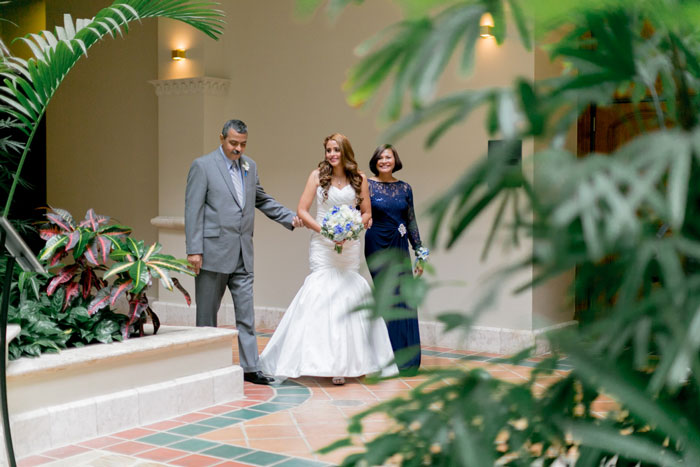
<point>333,186</point>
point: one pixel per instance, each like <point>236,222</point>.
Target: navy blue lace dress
<point>394,226</point>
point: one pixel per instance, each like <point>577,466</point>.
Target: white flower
<point>342,223</point>
<point>245,166</point>
<point>402,229</point>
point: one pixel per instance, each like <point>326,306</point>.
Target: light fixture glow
<point>179,54</point>
<point>486,25</point>
<point>486,31</point>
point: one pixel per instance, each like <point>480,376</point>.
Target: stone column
<point>190,113</point>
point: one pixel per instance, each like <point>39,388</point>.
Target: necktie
<point>237,179</point>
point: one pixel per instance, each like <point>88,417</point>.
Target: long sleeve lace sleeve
<point>413,234</point>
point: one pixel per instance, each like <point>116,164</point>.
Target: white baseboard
<point>504,341</point>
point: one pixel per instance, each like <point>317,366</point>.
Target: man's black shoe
<point>257,377</point>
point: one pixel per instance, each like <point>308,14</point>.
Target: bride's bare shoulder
<point>314,175</point>
<point>313,181</point>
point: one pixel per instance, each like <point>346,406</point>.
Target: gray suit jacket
<point>215,225</point>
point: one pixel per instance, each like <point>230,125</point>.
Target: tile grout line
<point>516,374</point>
<point>296,424</point>
<point>492,362</point>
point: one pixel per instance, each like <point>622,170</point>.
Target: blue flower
<point>348,227</point>
<point>338,230</point>
<point>335,209</point>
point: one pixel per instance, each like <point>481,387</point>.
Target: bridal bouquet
<point>342,223</point>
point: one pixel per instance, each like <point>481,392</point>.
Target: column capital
<point>169,222</point>
<point>200,85</point>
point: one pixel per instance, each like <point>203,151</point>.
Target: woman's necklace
<point>339,182</point>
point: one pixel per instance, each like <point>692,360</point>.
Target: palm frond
<point>28,86</point>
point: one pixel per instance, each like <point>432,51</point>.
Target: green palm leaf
<point>28,86</point>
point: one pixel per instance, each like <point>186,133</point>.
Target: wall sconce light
<point>486,25</point>
<point>179,54</point>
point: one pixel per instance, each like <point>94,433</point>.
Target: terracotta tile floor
<point>281,425</point>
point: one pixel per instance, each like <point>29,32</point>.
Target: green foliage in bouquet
<point>628,222</point>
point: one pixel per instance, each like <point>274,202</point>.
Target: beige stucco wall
<point>107,125</point>
<point>286,83</point>
<point>552,301</point>
<point>102,126</point>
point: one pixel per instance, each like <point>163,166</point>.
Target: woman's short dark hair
<point>378,152</point>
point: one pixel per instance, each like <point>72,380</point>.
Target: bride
<point>319,335</point>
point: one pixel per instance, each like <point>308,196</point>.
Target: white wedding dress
<point>318,335</point>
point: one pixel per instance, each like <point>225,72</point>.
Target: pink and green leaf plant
<point>103,251</point>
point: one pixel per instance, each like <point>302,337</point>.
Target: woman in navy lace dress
<point>394,227</point>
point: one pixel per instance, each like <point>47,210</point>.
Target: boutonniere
<point>246,167</point>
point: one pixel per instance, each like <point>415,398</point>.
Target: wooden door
<point>603,130</point>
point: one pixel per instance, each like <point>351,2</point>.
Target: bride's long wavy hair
<point>347,159</point>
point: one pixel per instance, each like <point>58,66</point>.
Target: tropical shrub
<point>75,304</point>
<point>628,222</point>
<point>56,319</point>
<point>48,326</point>
<point>92,243</point>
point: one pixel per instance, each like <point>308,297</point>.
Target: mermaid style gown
<point>318,335</point>
<point>393,227</point>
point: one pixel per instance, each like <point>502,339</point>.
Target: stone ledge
<point>169,338</point>
<point>54,426</point>
<point>85,392</point>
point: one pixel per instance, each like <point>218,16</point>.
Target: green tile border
<point>271,407</point>
<point>219,422</point>
<point>194,445</point>
<point>192,429</point>
<point>262,458</point>
<point>227,451</point>
<point>290,399</point>
<point>161,439</point>
<point>292,391</point>
<point>247,413</point>
<point>287,384</point>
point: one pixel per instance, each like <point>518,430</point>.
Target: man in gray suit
<point>222,191</point>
